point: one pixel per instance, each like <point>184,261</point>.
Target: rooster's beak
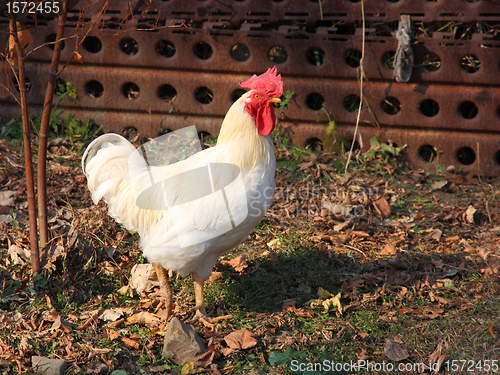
<point>274,100</point>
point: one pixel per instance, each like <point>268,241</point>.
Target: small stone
<point>47,366</point>
<point>182,344</point>
<point>97,368</point>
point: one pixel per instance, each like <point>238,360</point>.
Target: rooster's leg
<point>198,292</point>
<point>165,289</point>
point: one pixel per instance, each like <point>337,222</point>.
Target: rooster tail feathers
<point>107,163</point>
<point>101,142</point>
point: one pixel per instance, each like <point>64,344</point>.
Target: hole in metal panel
<point>391,105</point>
<point>60,87</point>
<point>388,59</point>
<point>94,89</point>
<point>167,93</point>
<point>348,143</point>
<point>315,101</point>
<point>470,63</point>
<point>314,144</point>
<point>353,1</point>
<point>497,157</point>
<point>353,58</point>
<point>429,107</point>
<point>240,52</point>
<point>51,39</point>
<point>466,155</point>
<point>260,14</point>
<point>203,135</point>
<point>431,62</point>
<point>130,133</point>
<point>129,46</point>
<point>393,1</point>
<point>92,44</point>
<point>236,94</point>
<point>27,84</point>
<point>351,103</point>
<point>468,110</point>
<point>204,95</point>
<point>278,54</point>
<point>131,91</point>
<point>165,48</point>
<point>316,56</point>
<point>202,50</point>
<point>427,153</point>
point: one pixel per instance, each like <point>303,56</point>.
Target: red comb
<point>268,83</point>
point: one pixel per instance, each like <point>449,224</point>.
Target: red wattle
<point>265,120</point>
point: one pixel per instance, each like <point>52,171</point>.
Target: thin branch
<point>42,135</point>
<point>79,43</point>
<point>30,186</point>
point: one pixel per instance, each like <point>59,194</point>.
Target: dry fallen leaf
<point>238,263</point>
<point>469,214</point>
<point>356,283</point>
<point>341,226</point>
<point>241,339</point>
<point>388,250</point>
<point>60,323</point>
<point>305,166</point>
<point>327,300</point>
<point>142,317</point>
<point>395,351</point>
<point>130,342</point>
<point>438,185</point>
<point>215,276</point>
<point>406,310</point>
<point>437,356</point>
<point>303,313</point>
<point>452,239</point>
<point>492,331</point>
<point>436,234</point>
<point>382,206</point>
<point>7,198</point>
<point>288,305</point>
<point>274,243</point>
<point>143,277</point>
<point>432,313</point>
<point>111,315</point>
<point>18,254</point>
<point>363,355</point>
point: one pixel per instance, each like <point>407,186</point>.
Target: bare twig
<point>79,42</point>
<point>30,185</point>
<point>42,135</point>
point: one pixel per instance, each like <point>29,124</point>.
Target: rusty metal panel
<point>193,45</point>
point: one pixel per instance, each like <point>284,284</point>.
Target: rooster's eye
<point>257,96</point>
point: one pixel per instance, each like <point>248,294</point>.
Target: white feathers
<point>190,212</point>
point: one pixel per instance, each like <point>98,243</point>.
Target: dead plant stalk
<point>361,75</point>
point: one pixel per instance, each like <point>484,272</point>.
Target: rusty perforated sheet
<point>465,111</point>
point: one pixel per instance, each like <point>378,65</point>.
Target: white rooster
<point>202,206</point>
